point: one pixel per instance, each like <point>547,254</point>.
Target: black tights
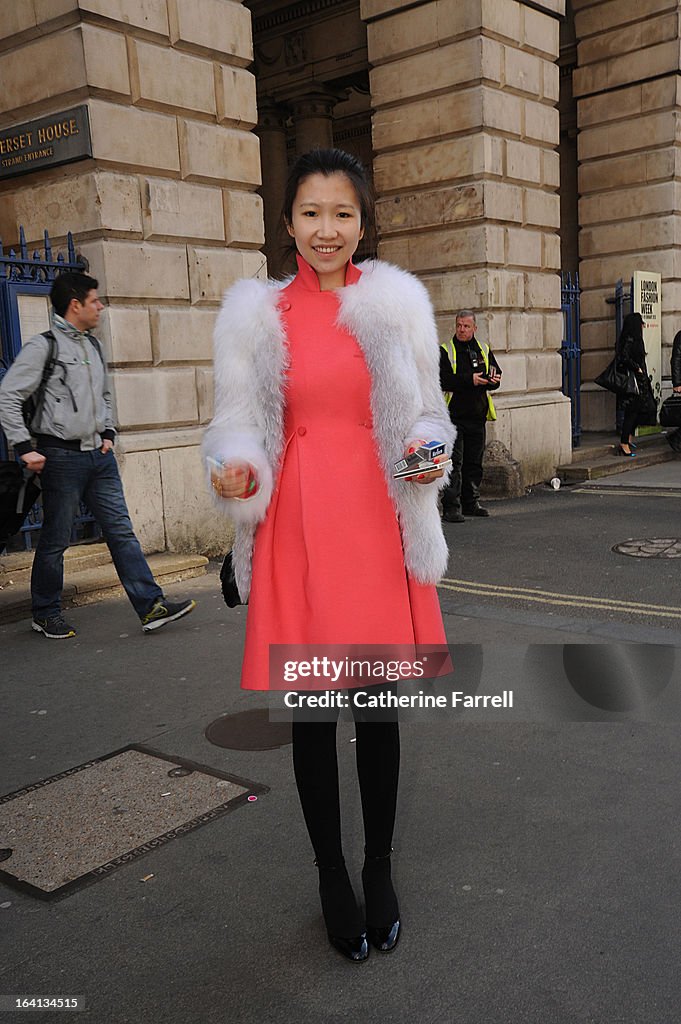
<point>630,421</point>
<point>315,764</point>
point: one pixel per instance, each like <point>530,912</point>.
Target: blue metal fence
<point>24,274</point>
<point>571,351</point>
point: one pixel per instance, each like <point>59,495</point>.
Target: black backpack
<point>32,405</point>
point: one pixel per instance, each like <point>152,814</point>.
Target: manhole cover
<point>651,547</point>
<point>248,730</point>
<point>76,827</point>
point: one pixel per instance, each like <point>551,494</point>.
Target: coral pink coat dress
<point>328,565</point>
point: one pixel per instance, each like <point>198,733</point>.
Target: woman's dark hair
<point>632,327</point>
<point>327,162</point>
<point>70,285</point>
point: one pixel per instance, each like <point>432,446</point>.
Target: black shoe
<point>164,612</point>
<point>385,939</point>
<point>54,627</point>
<point>381,904</point>
<point>355,950</point>
<point>476,510</point>
<point>619,450</point>
<point>342,918</point>
<point>452,515</point>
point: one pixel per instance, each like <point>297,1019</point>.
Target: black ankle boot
<point>383,912</point>
<point>344,925</point>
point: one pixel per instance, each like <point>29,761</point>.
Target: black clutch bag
<point>230,591</point>
<point>670,413</point>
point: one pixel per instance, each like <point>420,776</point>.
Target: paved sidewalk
<point>536,858</point>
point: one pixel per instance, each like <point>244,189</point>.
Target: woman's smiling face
<point>326,226</point>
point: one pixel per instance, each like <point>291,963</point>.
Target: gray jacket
<point>77,404</point>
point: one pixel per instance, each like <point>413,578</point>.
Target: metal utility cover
<point>650,547</point>
<point>74,828</point>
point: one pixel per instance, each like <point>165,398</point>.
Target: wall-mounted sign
<point>57,139</point>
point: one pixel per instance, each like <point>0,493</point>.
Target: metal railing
<point>571,351</point>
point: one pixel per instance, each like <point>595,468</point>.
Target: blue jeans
<point>68,478</point>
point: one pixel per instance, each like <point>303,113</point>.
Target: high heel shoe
<point>381,903</point>
<point>341,913</point>
<point>619,450</point>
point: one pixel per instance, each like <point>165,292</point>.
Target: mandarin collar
<point>308,277</point>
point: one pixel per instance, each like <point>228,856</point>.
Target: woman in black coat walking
<point>675,437</point>
<point>631,355</point>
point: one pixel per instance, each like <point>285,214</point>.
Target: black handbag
<point>18,493</point>
<point>620,382</point>
<point>670,413</point>
<point>646,406</point>
<point>230,591</point>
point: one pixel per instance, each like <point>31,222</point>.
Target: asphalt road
<point>551,555</point>
<point>537,855</point>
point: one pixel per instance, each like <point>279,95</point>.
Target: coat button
<point>284,306</point>
<point>302,431</point>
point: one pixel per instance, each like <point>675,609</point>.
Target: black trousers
<point>466,476</point>
<point>315,763</point>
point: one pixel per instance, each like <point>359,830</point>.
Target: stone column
<point>166,213</point>
<point>628,93</point>
<point>466,170</point>
<point>271,131</point>
<point>312,118</point>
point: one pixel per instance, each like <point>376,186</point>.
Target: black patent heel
<point>341,913</point>
<point>383,912</point>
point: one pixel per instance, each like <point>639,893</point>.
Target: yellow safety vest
<point>450,349</point>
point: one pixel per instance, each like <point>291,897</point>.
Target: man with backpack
<point>71,421</point>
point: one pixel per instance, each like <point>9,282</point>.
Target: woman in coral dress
<point>321,384</point>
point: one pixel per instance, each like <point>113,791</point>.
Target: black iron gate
<point>25,282</point>
<point>571,351</point>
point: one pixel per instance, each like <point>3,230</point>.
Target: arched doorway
<point>312,78</point>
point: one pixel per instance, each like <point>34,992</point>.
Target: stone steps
<point>598,460</point>
<point>89,576</point>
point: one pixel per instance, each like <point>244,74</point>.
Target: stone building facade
<point>166,213</point>
<point>480,120</point>
<point>627,90</point>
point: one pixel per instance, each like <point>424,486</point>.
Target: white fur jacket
<point>389,313</point>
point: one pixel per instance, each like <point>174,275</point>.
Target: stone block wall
<point>466,169</point>
<point>628,91</point>
<point>166,212</point>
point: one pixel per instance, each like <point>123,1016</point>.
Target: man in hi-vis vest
<point>468,372</point>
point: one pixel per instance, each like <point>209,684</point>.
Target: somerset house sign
<point>47,142</point>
